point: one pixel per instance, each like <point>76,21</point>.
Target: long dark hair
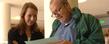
<point>22,25</point>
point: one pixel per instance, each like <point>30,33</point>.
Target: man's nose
<point>56,14</point>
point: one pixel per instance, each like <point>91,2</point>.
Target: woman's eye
<point>34,15</point>
<point>29,15</point>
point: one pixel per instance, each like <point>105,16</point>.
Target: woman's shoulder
<point>13,30</point>
<point>37,35</point>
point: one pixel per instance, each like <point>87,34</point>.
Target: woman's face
<point>30,16</point>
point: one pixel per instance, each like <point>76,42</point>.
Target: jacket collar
<point>76,13</point>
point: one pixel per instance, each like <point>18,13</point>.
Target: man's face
<point>60,11</point>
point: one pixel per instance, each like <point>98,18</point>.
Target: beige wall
<point>4,21</point>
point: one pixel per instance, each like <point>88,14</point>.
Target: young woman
<point>27,28</point>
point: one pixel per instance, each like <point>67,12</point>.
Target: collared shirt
<point>66,31</point>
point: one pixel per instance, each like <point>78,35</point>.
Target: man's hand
<point>64,42</point>
<point>61,42</point>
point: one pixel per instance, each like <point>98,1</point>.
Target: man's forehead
<point>57,2</point>
<point>54,6</point>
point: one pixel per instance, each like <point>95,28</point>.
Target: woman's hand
<point>15,42</point>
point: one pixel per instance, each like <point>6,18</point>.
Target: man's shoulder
<point>77,14</point>
<point>90,19</point>
<point>88,16</point>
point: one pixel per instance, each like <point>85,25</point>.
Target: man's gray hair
<point>59,1</point>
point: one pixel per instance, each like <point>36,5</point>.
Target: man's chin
<point>61,21</point>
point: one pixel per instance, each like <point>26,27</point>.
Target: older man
<point>73,26</point>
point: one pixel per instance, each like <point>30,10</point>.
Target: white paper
<point>43,41</point>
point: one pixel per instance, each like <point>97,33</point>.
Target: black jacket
<point>14,34</point>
